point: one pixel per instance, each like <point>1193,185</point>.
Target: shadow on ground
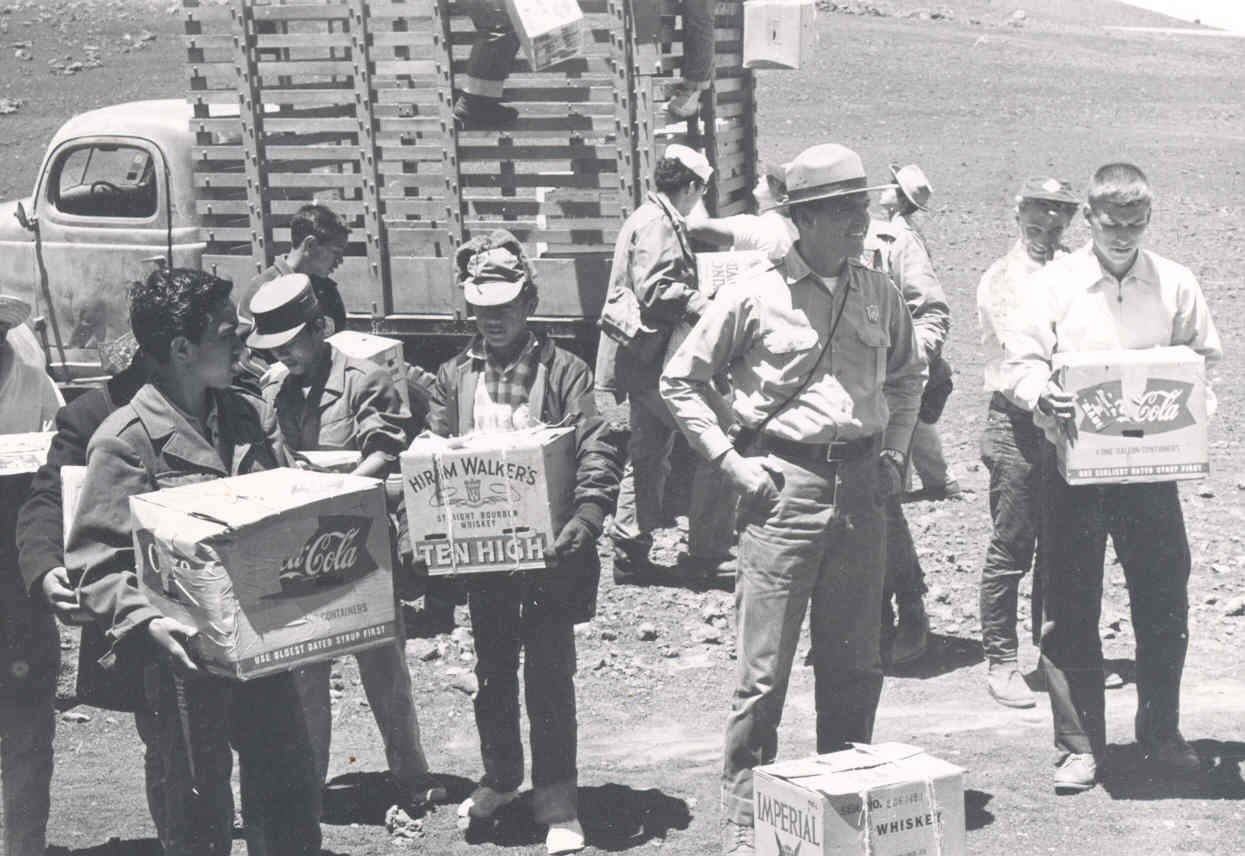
<point>615,818</point>
<point>365,797</point>
<point>943,654</point>
<point>976,815</point>
<point>1127,775</point>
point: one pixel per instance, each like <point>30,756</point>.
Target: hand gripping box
<point>779,33</point>
<point>381,350</point>
<point>488,502</point>
<point>21,454</point>
<point>276,569</point>
<point>1140,415</point>
<point>884,800</point>
<point>550,31</point>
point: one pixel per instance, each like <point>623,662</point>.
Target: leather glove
<point>576,538</point>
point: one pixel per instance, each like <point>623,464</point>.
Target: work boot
<point>632,565</point>
<point>1173,754</point>
<point>1007,686</point>
<point>912,635</point>
<point>685,102</point>
<point>565,837</point>
<point>481,112</point>
<point>737,839</point>
<point>1076,772</point>
<point>483,803</point>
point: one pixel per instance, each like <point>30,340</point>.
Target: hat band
<point>285,317</point>
<point>820,191</point>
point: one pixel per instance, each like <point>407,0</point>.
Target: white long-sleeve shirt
<point>1000,295</point>
<point>28,397</point>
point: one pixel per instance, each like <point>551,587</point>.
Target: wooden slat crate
<point>349,102</point>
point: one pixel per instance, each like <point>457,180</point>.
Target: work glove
<point>576,538</point>
<point>890,478</point>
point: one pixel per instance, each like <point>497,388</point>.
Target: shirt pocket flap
<point>875,336</point>
<point>790,340</point>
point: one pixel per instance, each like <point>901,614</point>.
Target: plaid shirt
<point>508,386</point>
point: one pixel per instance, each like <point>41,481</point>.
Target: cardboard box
<point>550,31</point>
<point>381,350</point>
<point>488,502</point>
<point>331,460</point>
<point>21,454</point>
<point>1140,416</point>
<point>277,569</point>
<point>715,271</point>
<point>779,33</point>
<point>885,800</point>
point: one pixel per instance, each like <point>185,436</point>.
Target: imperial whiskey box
<point>381,350</point>
<point>885,800</point>
<point>549,31</point>
<point>488,502</point>
<point>1140,415</point>
<point>276,569</point>
<point>779,33</point>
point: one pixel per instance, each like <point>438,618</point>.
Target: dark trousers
<point>1147,528</point>
<point>494,50</point>
<point>263,720</point>
<point>27,727</point>
<point>1011,449</point>
<point>504,623</point>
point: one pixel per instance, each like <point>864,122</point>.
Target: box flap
<point>526,438</point>
<point>1176,354</point>
<point>860,757</point>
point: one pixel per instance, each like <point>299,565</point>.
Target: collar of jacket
<point>794,268</point>
<point>1091,272</point>
<point>173,434</point>
<point>334,386</point>
<point>663,202</point>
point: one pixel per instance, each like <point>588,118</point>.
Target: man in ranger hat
<point>1011,445</point>
<point>652,291</point>
<point>827,376</point>
<point>317,398</point>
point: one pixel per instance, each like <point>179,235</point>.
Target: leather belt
<point>1001,403</point>
<point>846,450</point>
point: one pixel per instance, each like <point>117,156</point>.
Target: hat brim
<point>268,341</point>
<point>788,202</point>
<point>905,191</point>
<point>495,294</point>
<point>13,310</point>
<point>1051,198</point>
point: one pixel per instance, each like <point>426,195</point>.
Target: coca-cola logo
<point>159,564</point>
<point>1161,407</point>
<point>335,553</point>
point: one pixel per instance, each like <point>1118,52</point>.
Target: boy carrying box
<point>510,378</point>
<point>320,399</point>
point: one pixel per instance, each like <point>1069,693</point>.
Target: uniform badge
<point>871,312</point>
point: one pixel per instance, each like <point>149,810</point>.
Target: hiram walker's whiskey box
<point>549,31</point>
<point>1140,415</point>
<point>885,800</point>
<point>22,454</point>
<point>381,350</point>
<point>488,502</point>
<point>276,569</point>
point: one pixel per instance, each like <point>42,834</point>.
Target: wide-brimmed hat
<point>692,159</point>
<point>13,310</point>
<point>491,269</point>
<point>1048,190</point>
<point>913,184</point>
<point>826,171</point>
<point>282,308</point>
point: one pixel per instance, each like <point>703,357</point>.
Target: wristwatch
<point>896,457</point>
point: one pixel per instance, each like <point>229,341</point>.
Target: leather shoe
<point>707,567</point>
<point>1007,686</point>
<point>1173,754</point>
<point>1077,772</point>
<point>565,837</point>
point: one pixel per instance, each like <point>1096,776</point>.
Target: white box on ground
<point>889,799</point>
<point>1140,415</point>
<point>21,454</point>
<point>276,569</point>
<point>779,33</point>
<point>550,31</point>
<point>381,350</point>
<point>488,502</point>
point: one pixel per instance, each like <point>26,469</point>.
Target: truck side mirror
<point>27,223</point>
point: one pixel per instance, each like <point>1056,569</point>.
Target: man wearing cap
<point>185,426</point>
<point>29,643</point>
<point>826,377</point>
<point>652,291</point>
<point>1111,294</point>
<point>317,399</point>
<point>1011,444</point>
<point>509,378</point>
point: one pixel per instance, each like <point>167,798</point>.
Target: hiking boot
<point>632,565</point>
<point>1077,772</point>
<point>1007,686</point>
<point>483,803</point>
<point>685,102</point>
<point>707,567</point>
<point>737,839</point>
<point>912,634</point>
<point>565,837</point>
<point>1173,754</point>
<point>477,111</point>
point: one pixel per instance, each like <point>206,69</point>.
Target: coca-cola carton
<point>550,31</point>
<point>276,569</point>
<point>488,502</point>
<point>381,350</point>
<point>1140,415</point>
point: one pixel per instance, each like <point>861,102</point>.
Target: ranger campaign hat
<point>281,309</point>
<point>913,184</point>
<point>826,171</point>
<point>1048,190</point>
<point>492,270</point>
<point>13,310</point>
<point>692,159</point>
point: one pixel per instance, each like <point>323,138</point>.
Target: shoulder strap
<point>536,395</point>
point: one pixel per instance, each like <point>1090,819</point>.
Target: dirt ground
<point>980,97</point>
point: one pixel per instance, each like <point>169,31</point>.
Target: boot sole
<point>1068,788</point>
<point>1015,704</point>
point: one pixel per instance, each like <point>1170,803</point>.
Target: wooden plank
<point>251,125</point>
<point>369,151</point>
<point>328,10</point>
<point>444,61</point>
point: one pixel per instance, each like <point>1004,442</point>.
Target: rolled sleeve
<point>905,377</point>
<point>379,414</point>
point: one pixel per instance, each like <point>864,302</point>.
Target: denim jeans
<point>711,514</point>
<point>494,49</point>
<point>27,726</point>
<point>1011,449</point>
<point>821,544</point>
<point>1146,526</point>
<point>502,627</point>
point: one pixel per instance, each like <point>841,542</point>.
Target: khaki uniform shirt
<point>768,335</point>
<point>897,249</point>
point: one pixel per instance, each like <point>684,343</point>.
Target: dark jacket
<point>568,593</point>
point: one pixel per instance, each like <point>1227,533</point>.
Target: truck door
<point>104,221</point>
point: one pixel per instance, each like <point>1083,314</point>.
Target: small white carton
<point>488,502</point>
<point>1140,415</point>
<point>276,569</point>
<point>381,350</point>
<point>21,454</point>
<point>889,799</point>
<point>550,31</point>
<point>779,33</point>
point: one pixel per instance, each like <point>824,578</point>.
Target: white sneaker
<point>565,837</point>
<point>483,804</point>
